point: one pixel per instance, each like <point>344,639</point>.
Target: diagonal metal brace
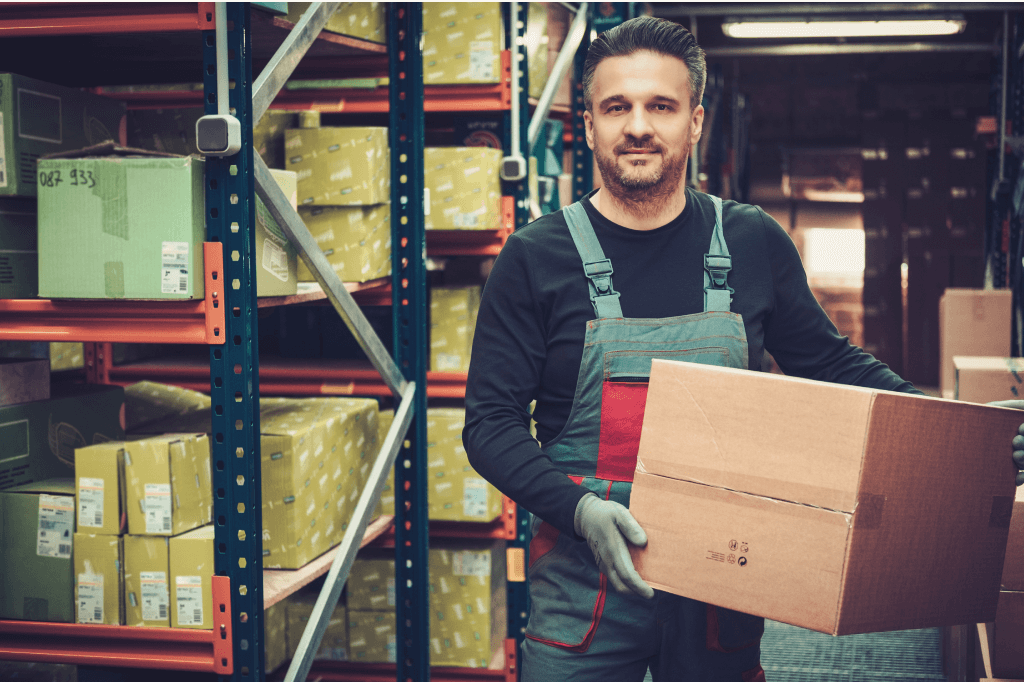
<point>309,644</point>
<point>288,56</point>
<point>298,234</point>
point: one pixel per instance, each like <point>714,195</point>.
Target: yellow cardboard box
<point>355,239</point>
<point>365,20</point>
<point>146,402</point>
<point>371,584</point>
<point>462,42</point>
<point>456,492</point>
<point>169,489</point>
<point>146,594</point>
<point>66,355</point>
<point>99,579</point>
<point>536,39</point>
<point>276,258</point>
<point>340,166</point>
<point>100,489</point>
<point>334,645</point>
<point>463,188</point>
<point>453,313</point>
<point>191,564</point>
<point>387,496</point>
<point>372,636</point>
<point>275,637</point>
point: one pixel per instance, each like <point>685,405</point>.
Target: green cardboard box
<point>38,439</point>
<point>38,118</point>
<point>121,223</point>
<point>37,524</point>
<point>19,270</point>
<point>355,239</point>
<point>340,166</point>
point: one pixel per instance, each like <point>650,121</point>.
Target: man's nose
<point>638,124</point>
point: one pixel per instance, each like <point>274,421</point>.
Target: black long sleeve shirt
<point>536,303</point>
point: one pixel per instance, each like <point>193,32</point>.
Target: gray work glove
<point>606,526</point>
<point>1018,440</point>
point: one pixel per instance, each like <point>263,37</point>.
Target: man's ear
<point>696,124</point>
<point>588,121</point>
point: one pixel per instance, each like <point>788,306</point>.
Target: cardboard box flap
<point>110,148</point>
<point>709,425</point>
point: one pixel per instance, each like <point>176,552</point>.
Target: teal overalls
<point>579,629</point>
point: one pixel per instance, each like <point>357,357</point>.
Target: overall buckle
<point>718,268</point>
<point>600,273</point>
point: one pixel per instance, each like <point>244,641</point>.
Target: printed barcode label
<point>158,508</point>
<point>391,591</point>
<point>481,60</point>
<point>90,598</point>
<point>90,502</point>
<point>392,648</point>
<point>154,595</point>
<point>471,563</point>
<point>474,498</point>
<point>174,268</point>
<point>56,524</point>
<point>189,597</point>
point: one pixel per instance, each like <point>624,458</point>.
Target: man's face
<point>641,128</point>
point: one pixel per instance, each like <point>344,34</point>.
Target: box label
<point>3,154</point>
<point>275,260</point>
<point>155,599</point>
<point>158,507</point>
<point>471,563</point>
<point>56,523</point>
<point>392,649</point>
<point>189,595</point>
<point>481,60</point>
<point>474,498</point>
<point>174,268</point>
<point>447,362</point>
<point>391,591</point>
<point>90,598</point>
<point>90,502</point>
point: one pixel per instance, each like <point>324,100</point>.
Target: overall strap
<point>597,268</point>
<point>717,264</point>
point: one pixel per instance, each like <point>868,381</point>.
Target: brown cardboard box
<point>1013,565</point>
<point>23,381</point>
<point>146,595</point>
<point>984,379</point>
<point>972,322</point>
<point>99,584</point>
<point>99,489</point>
<point>168,483</point>
<point>835,508</point>
<point>190,559</point>
<point>1006,637</point>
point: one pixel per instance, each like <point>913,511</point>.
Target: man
<point>586,297</point>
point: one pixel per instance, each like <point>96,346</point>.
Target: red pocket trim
<point>543,542</point>
<point>622,418</point>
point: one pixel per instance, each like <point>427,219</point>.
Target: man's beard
<point>642,195</point>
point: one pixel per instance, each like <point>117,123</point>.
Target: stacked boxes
<point>456,492</point>
<point>168,484</point>
<point>365,20</point>
<point>37,521</point>
<point>146,587</point>
<point>985,379</point>
<point>340,166</point>
<point>190,559</point>
<point>334,645</point>
<point>372,636</point>
<point>355,239</point>
<point>463,188</point>
<point>453,312</point>
<point>972,322</point>
<point>99,488</point>
<point>19,260</point>
<point>462,43</point>
<point>99,579</point>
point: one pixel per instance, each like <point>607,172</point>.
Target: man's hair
<point>647,34</point>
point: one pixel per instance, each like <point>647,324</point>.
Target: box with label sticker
<point>167,482</point>
<point>99,489</point>
<point>276,258</point>
<point>38,118</point>
<point>340,166</point>
<point>146,576</point>
<point>334,645</point>
<point>355,239</point>
<point>456,492</point>
<point>121,223</point>
<point>99,579</point>
<point>19,260</point>
<point>37,523</point>
<point>372,636</point>
<point>462,43</point>
<point>463,189</point>
<point>453,312</point>
<point>364,20</point>
<point>191,579</point>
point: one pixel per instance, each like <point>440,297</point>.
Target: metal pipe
<point>517,149</point>
<point>827,49</point>
<point>220,13</point>
<point>577,30</point>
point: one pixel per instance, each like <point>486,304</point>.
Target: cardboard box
<point>453,312</point>
<point>355,239</point>
<point>146,402</point>
<point>456,492</point>
<point>536,39</point>
<point>340,166</point>
<point>334,645</point>
<point>37,581</point>
<point>372,636</point>
<point>972,322</point>
<point>146,570</point>
<point>171,131</point>
<point>987,379</point>
<point>100,489</point>
<point>315,454</point>
<point>363,20</point>
<point>275,635</point>
<point>462,43</point>
<point>268,135</point>
<point>276,274</point>
<point>371,584</point>
<point>121,224</point>
<point>1006,637</point>
<point>41,118</point>
<point>387,495</point>
<point>99,579</point>
<point>168,483</point>
<point>463,188</point>
<point>38,439</point>
<point>1013,564</point>
<point>191,563</point>
<point>66,355</point>
<point>19,259</point>
<point>817,504</point>
<point>24,381</point>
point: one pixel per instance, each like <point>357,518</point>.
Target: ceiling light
<point>843,28</point>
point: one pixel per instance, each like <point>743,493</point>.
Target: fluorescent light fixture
<point>838,197</point>
<point>823,28</point>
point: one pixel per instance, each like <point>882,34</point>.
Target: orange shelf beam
<point>501,528</point>
<point>127,647</point>
<point>190,322</point>
<point>50,19</point>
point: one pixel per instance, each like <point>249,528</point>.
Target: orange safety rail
<point>511,661</point>
<point>127,647</point>
<point>192,322</point>
<point>501,528</point>
<point>84,18</point>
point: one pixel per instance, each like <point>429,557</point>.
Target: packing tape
<point>113,279</point>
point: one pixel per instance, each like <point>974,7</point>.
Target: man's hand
<point>1018,440</point>
<point>606,526</point>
